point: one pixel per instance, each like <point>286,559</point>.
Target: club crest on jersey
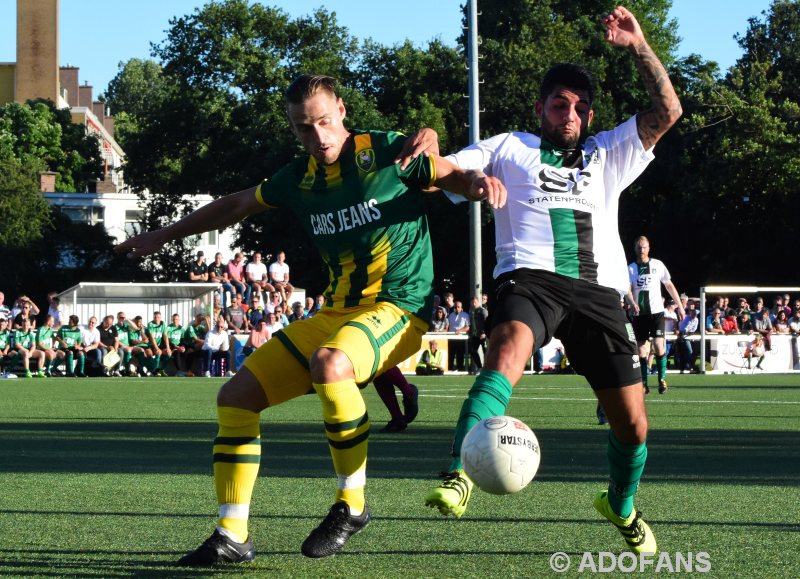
<point>365,160</point>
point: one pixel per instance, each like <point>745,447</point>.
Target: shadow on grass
<point>295,449</point>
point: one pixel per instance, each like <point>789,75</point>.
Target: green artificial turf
<point>112,478</point>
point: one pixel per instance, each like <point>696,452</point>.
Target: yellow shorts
<point>375,337</point>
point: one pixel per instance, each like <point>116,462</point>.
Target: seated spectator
<point>25,345</point>
<point>6,356</point>
<point>109,341</point>
<point>236,276</point>
<point>763,326</point>
<point>714,322</point>
<point>273,325</point>
<point>198,270</point>
<point>90,339</point>
<point>281,316</point>
<point>297,312</point>
<point>439,322</point>
<point>218,273</point>
<point>779,306</point>
<point>69,338</point>
<point>430,362</point>
<point>755,350</point>
<point>256,312</point>
<point>258,335</point>
<point>279,277</point>
<point>236,317</point>
<point>216,347</point>
<point>257,276</point>
<point>274,302</point>
<point>729,325</point>
<point>309,307</point>
<point>126,329</point>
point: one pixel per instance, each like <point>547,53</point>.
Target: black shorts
<point>647,326</point>
<point>586,317</point>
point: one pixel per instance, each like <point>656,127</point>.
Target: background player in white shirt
<point>646,275</point>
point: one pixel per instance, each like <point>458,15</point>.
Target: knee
<point>328,365</point>
<point>632,431</point>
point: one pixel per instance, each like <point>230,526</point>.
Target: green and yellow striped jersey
<point>367,220</point>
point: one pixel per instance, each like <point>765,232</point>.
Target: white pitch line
<point>655,401</point>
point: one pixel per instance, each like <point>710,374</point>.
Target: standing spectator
<point>109,341</point>
<point>198,271</point>
<point>25,345</point>
<point>90,339</point>
<point>646,276</point>
<point>298,313</point>
<point>458,321</point>
<point>794,329</point>
<point>5,313</point>
<point>477,334</point>
<point>449,302</point>
<point>759,307</point>
<point>258,335</point>
<point>746,324</point>
<point>781,323</point>
<point>779,306</point>
<point>430,362</point>
<point>217,273</point>
<point>688,326</point>
<point>279,277</point>
<point>236,276</point>
<point>45,340</point>
<point>236,317</point>
<point>70,341</point>
<point>714,322</point>
<point>54,309</point>
<point>215,346</point>
<point>729,325</point>
<point>309,307</point>
<point>159,344</point>
<point>439,322</point>
<point>257,276</point>
<point>25,313</point>
<point>763,326</point>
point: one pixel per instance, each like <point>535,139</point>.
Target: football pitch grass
<point>112,478</point>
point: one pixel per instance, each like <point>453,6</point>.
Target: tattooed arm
<point>623,30</point>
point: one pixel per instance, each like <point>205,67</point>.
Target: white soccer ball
<point>501,455</point>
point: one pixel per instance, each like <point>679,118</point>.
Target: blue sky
<point>98,34</point>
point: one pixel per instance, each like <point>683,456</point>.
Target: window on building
<point>133,222</point>
<point>91,215</point>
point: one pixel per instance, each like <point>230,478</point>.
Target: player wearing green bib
<point>365,215</point>
<point>158,347</point>
<point>45,342</point>
<point>175,337</point>
<point>69,341</point>
<point>25,345</point>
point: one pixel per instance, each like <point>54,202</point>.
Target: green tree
<point>24,211</point>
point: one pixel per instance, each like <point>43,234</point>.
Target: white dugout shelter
<point>99,299</point>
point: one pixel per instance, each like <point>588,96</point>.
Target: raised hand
<point>622,28</point>
<point>424,141</point>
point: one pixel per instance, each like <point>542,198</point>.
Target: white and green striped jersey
<point>646,280</point>
<point>560,219</point>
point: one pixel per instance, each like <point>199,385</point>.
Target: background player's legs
<point>385,385</point>
<point>644,354</point>
<point>660,348</point>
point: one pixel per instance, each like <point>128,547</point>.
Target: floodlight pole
<point>476,274</point>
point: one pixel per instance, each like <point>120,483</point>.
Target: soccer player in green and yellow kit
<point>365,215</point>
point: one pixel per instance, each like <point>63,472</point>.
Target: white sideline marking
<point>654,400</point>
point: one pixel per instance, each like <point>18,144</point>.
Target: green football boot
<point>452,494</point>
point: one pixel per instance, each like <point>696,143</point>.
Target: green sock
<point>47,364</point>
<point>661,362</point>
<point>488,397</point>
<point>157,363</point>
<point>643,363</point>
<point>70,361</point>
<point>140,357</point>
<point>626,463</point>
<point>81,363</point>
<point>126,360</point>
